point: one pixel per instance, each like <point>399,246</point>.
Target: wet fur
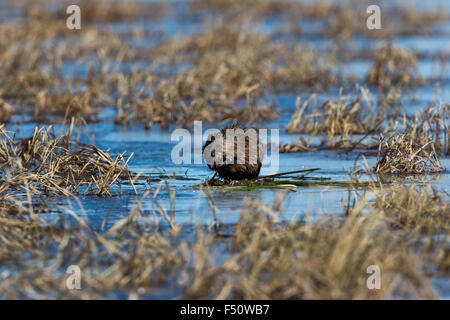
<point>236,171</point>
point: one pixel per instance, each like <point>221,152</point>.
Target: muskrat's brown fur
<point>232,170</point>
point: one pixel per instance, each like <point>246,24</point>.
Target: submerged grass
<point>406,154</point>
<point>285,180</point>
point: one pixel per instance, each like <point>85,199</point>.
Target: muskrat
<point>235,153</point>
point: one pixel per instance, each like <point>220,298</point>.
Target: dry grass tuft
<point>415,150</point>
<point>227,71</point>
<point>226,74</point>
<point>393,66</point>
<point>66,104</point>
<point>263,256</point>
<point>338,121</point>
<point>94,12</point>
<point>407,153</point>
<point>45,164</point>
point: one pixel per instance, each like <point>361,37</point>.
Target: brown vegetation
<point>45,164</point>
<point>393,66</point>
<point>263,256</point>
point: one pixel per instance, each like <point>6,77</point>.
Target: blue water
<point>152,149</point>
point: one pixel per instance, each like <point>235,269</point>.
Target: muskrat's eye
<point>213,153</point>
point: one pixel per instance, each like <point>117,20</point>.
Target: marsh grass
<point>263,256</point>
<point>284,180</point>
<point>406,154</point>
<point>101,11</point>
<point>6,111</point>
<point>222,73</point>
<point>293,184</point>
<point>230,72</point>
<point>415,150</point>
<point>342,117</point>
<point>34,81</point>
<point>339,20</point>
<point>338,121</point>
<point>393,66</point>
<point>47,164</point>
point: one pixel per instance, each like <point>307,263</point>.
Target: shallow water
<point>152,149</point>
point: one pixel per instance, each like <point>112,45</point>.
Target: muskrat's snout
<point>235,153</point>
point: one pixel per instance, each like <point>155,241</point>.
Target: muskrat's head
<point>234,152</point>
